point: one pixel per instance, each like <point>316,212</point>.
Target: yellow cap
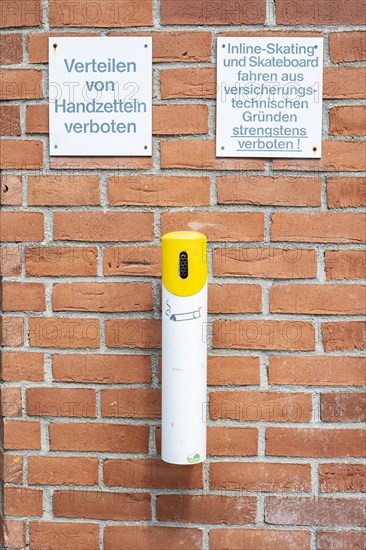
<point>182,249</point>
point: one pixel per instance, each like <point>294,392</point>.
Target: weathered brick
<point>10,261</point>
<point>11,49</point>
<point>218,226</point>
<point>21,84</point>
<point>20,13</point>
<point>345,264</point>
<point>180,119</point>
<point>101,13</point>
<point>346,192</point>
<point>317,370</point>
<point>101,369</point>
<point>72,190</point>
<point>320,227</point>
<point>199,12</point>
<point>343,407</point>
<point>233,298</point>
<point>259,539</point>
<point>127,333</point>
<point>347,46</point>
<point>102,297</point>
<point>146,537</point>
<point>21,154</point>
<point>342,478</point>
<point>63,332</point>
<point>197,83</point>
<point>312,12</point>
<point>11,190</point>
<point>264,190</point>
<point>347,120</point>
<point>70,402</point>
<point>50,470</point>
<point>61,261</point>
<point>103,226</point>
<point>9,120</point>
<point>23,296</point>
<point>20,434</point>
<point>70,536</point>
<point>344,335</point>
<point>274,263</point>
<point>132,260</point>
<point>315,442</point>
<point>159,190</point>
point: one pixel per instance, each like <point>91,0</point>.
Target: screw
<point>315,149</point>
<point>145,146</point>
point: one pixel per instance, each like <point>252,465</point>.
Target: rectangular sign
<point>100,94</point>
<point>269,97</point>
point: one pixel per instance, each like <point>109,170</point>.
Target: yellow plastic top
<point>195,245</point>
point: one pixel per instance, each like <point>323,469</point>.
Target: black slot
<point>183,265</point>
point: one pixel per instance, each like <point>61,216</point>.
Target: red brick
<point>102,505</point>
<point>320,227</point>
<point>271,335</point>
<point>180,119</point>
<point>346,192</point>
<point>113,438</point>
<point>233,298</point>
<point>345,264</point>
<point>256,406</point>
<point>131,403</point>
<point>22,501</point>
<point>23,296</point>
<point>200,154</point>
<point>13,533</point>
<point>20,13</point>
<point>318,299</point>
<point>52,470</point>
<point>101,163</point>
<point>259,539</point>
<point>343,407</point>
<point>218,226</point>
<point>63,332</point>
<point>342,478</point>
<point>159,190</point>
<point>9,120</point>
<point>101,13</point>
<point>21,84</point>
<point>265,190</point>
<point>227,370</point>
<point>11,401</point>
<point>317,370</point>
<point>347,46</point>
<point>197,83</point>
<point>347,120</point>
<point>102,369</point>
<point>232,441</point>
<point>12,468</point>
<point>342,540</point>
<point>315,442</point>
<point>344,336</point>
<point>71,190</point>
<point>61,261</point>
<point>37,119</point>
<point>337,156</point>
<point>146,537</point>
<point>152,473</point>
<point>314,511</point>
<point>11,190</point>
<point>343,82</point>
<point>102,297</point>
<point>312,12</point>
<point>22,226</point>
<point>38,44</point>
<point>274,263</point>
<point>260,476</point>
<point>207,508</point>
<point>12,331</point>
<point>11,49</point>
<point>132,260</point>
<point>22,365</point>
<point>130,333</point>
<point>10,261</point>
<point>19,434</point>
<point>103,226</point>
<point>199,12</point>
<point>69,536</point>
<point>21,154</point>
<point>70,402</point>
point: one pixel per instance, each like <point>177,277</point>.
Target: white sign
<point>100,95</point>
<point>269,97</point>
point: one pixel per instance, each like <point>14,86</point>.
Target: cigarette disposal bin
<point>184,348</point>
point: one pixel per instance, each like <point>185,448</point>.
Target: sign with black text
<point>269,97</point>
<point>100,95</point>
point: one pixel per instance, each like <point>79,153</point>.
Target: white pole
<point>184,347</point>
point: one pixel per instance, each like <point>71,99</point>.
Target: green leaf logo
<point>194,457</point>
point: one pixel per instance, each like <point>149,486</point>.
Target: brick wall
<point>81,268</point>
